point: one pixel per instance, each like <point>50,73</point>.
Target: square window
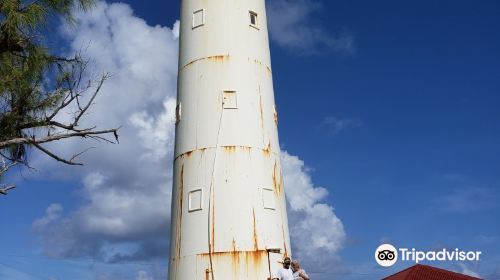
<point>253,19</point>
<point>268,199</point>
<point>229,100</point>
<point>198,18</point>
<point>195,200</point>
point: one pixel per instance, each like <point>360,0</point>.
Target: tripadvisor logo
<point>387,255</point>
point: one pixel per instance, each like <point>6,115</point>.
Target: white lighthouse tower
<point>229,218</point>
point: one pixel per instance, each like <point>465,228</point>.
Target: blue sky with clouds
<point>391,106</point>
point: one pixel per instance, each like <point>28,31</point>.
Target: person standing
<point>285,273</point>
<point>298,272</point>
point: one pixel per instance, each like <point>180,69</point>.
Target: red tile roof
<point>425,272</point>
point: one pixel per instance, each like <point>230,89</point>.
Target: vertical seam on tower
<point>210,196</point>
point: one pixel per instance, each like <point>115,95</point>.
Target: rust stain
<point>251,257</point>
<point>219,58</point>
<point>275,183</point>
<point>207,274</point>
<point>267,149</point>
<point>203,150</point>
<point>186,154</point>
<point>189,153</point>
<point>284,241</point>
<point>246,148</point>
<point>255,237</point>
<point>260,63</point>
<point>243,262</point>
<point>236,260</point>
<point>230,149</point>
<point>269,70</point>
<point>281,182</point>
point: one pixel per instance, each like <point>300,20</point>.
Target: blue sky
<point>394,107</point>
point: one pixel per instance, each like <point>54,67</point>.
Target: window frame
<point>202,11</point>
<point>254,15</point>
<point>229,99</point>
<point>190,202</point>
<point>269,205</point>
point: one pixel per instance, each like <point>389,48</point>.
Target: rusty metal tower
<point>229,216</point>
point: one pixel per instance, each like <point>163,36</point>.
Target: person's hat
<point>287,260</point>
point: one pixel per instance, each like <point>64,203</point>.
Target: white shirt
<point>284,274</point>
<point>296,274</point>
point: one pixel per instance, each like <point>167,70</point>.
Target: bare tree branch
<point>54,156</point>
<point>80,153</point>
<point>68,99</point>
<point>6,166</point>
<point>34,141</point>
<point>84,109</point>
<point>5,190</point>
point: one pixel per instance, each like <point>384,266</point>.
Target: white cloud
<point>317,233</point>
<point>291,26</point>
<point>126,188</point>
<point>335,125</point>
<point>52,213</point>
<point>153,131</point>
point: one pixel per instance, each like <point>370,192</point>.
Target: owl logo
<point>386,255</point>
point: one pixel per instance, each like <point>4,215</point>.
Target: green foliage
<point>25,62</point>
<point>37,85</point>
<point>34,83</point>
